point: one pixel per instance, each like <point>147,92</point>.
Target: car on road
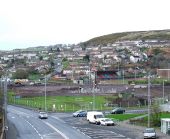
<point>94,116</point>
<point>118,110</point>
<point>149,133</point>
<point>106,121</point>
<point>80,113</point>
<point>43,115</point>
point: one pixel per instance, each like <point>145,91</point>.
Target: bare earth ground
<point>71,90</point>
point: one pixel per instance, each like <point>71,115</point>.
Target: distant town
<point>127,59</point>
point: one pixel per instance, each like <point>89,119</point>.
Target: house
<point>134,59</point>
<point>163,73</point>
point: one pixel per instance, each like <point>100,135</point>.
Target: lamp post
<point>5,105</point>
<point>149,101</point>
<point>94,86</point>
<point>45,94</point>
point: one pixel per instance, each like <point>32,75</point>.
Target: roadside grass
<point>123,117</point>
<point>62,103</point>
<point>165,115</point>
<point>162,115</point>
<point>155,120</point>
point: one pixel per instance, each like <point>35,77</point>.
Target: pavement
<point>140,129</point>
<point>12,131</point>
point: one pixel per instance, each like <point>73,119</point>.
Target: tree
<point>158,61</point>
<point>86,58</point>
<point>64,59</point>
<point>1,73</point>
<point>20,74</point>
<point>41,58</point>
<point>58,49</point>
<point>156,115</point>
<point>31,70</point>
<point>157,51</point>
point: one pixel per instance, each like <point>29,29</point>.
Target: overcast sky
<point>28,23</point>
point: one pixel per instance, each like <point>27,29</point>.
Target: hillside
<point>137,35</point>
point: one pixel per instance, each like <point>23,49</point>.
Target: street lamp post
<point>149,101</point>
<point>163,92</point>
<point>5,106</point>
<point>45,94</point>
<point>93,91</point>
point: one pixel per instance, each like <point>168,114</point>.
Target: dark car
<point>118,111</point>
<point>80,113</point>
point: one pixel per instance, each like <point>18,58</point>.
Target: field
<point>62,103</point>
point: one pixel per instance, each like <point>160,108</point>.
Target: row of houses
<point>101,57</point>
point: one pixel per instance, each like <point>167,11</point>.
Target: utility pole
<point>94,86</point>
<point>5,107</point>
<point>149,101</point>
<point>163,93</point>
<point>89,74</point>
<point>168,71</point>
<point>45,93</point>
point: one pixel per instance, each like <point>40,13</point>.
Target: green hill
<point>136,35</point>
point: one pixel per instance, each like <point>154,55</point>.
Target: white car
<point>106,121</point>
<point>43,115</point>
<point>149,133</point>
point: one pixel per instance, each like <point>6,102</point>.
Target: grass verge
<point>123,117</point>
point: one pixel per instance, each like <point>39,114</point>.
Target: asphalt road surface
<point>97,131</point>
<point>29,126</point>
<point>25,124</point>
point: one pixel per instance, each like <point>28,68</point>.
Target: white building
<point>165,125</point>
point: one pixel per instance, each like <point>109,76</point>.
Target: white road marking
<point>49,134</point>
<point>62,134</point>
<point>99,134</point>
<point>27,115</point>
<point>34,129</point>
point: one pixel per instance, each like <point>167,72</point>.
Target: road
<point>62,126</point>
<point>98,131</point>
<point>29,126</point>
